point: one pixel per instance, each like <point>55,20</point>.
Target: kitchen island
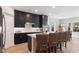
<point>22,35</point>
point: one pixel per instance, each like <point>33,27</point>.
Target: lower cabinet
<point>20,38</point>
<point>23,38</point>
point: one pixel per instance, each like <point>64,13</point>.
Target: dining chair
<point>42,43</point>
<point>60,40</point>
<point>53,42</point>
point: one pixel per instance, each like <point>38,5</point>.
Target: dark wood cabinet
<point>35,20</point>
<point>43,20</point>
<point>20,38</point>
<point>22,17</point>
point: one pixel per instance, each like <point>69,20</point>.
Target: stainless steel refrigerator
<point>2,31</point>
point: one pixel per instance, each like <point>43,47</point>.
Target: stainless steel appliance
<point>2,31</point>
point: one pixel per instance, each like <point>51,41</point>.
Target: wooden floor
<point>20,48</point>
<point>72,47</point>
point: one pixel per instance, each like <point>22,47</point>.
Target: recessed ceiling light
<point>36,10</point>
<point>53,6</point>
<point>28,15</point>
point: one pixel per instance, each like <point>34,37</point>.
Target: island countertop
<point>28,31</point>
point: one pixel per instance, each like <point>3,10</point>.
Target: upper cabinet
<point>22,17</point>
<point>43,20</point>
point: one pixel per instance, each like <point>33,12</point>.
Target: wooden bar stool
<point>53,42</point>
<point>42,43</point>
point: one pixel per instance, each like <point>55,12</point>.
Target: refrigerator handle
<point>4,31</point>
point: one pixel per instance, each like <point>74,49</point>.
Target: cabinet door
<point>20,38</point>
<point>35,20</point>
<point>20,19</point>
<point>44,20</point>
<point>28,17</point>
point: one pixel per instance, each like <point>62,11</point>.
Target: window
<point>76,27</point>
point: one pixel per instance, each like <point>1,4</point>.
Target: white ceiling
<point>59,12</point>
